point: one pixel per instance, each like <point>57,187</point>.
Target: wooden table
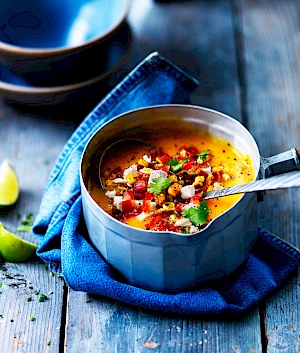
<point>246,55</point>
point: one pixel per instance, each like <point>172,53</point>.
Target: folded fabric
<point>64,243</point>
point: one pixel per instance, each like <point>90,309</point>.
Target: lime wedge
<point>13,248</point>
<point>9,186</point>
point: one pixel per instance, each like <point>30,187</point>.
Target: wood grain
<point>271,61</point>
<point>198,36</point>
<point>32,145</point>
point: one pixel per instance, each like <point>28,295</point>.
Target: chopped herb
<point>88,301</point>
<point>36,292</point>
<point>46,268</point>
<point>51,274</point>
<point>203,155</point>
<point>159,184</point>
<point>1,316</point>
<point>48,343</point>
<point>186,230</point>
<point>0,292</point>
<point>26,224</point>
<point>47,162</point>
<point>175,165</point>
<point>28,299</point>
<point>31,318</point>
<point>198,216</point>
<point>0,285</point>
<point>42,298</point>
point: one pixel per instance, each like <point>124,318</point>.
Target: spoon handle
<point>283,181</point>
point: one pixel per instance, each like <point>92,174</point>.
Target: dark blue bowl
<point>52,42</point>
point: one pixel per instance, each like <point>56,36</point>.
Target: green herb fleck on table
<point>159,184</point>
<point>1,316</point>
<point>31,318</point>
<point>51,274</point>
<point>26,224</point>
<point>36,292</point>
<point>29,299</point>
<point>88,301</point>
<point>198,216</point>
<point>46,268</point>
<point>0,285</point>
<point>42,298</point>
<point>48,343</point>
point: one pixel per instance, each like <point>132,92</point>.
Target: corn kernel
<point>110,182</point>
<point>169,206</point>
<point>181,182</point>
<point>199,178</point>
<point>147,170</point>
<point>174,189</point>
<point>209,179</point>
<point>173,218</point>
<point>210,188</point>
<point>143,162</point>
<point>182,153</point>
<point>216,169</point>
<point>161,199</point>
<point>131,178</point>
<point>225,177</point>
<point>174,177</point>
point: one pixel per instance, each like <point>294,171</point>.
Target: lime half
<point>9,186</point>
<point>13,248</point>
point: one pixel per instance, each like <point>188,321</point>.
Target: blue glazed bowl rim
<point>215,220</point>
<point>15,49</point>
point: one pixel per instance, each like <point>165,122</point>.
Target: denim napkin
<point>64,243</point>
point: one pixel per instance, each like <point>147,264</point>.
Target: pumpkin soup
<point>161,188</point>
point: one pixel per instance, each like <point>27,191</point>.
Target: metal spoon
<point>282,181</point>
<point>117,146</point>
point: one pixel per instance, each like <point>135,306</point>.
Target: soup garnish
<point>162,189</point>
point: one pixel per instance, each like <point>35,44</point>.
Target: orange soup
<point>161,188</point>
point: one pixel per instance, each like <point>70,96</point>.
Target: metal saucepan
<point>167,261</point>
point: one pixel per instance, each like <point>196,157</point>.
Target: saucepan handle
<point>281,163</point>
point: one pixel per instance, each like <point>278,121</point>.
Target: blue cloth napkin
<point>64,243</point>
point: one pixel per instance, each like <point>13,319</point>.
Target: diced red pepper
<point>179,206</point>
<point>139,189</point>
<point>127,206</point>
<point>155,221</point>
<point>165,158</point>
<point>165,168</point>
<point>146,205</point>
<point>196,198</point>
<point>187,165</point>
<point>128,195</point>
<point>144,176</point>
<point>148,196</point>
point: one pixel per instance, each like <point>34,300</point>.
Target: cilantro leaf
<point>159,184</point>
<point>203,155</point>
<point>26,224</point>
<point>173,161</point>
<point>198,216</point>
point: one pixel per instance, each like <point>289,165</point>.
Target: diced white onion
<point>119,181</point>
<point>157,174</point>
<point>147,158</point>
<point>183,222</point>
<point>187,192</point>
<point>189,205</point>
<point>217,186</point>
<point>117,202</point>
<point>131,170</point>
<point>207,170</point>
<point>111,194</point>
<point>193,229</point>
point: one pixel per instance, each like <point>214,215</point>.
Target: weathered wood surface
<point>269,32</point>
<point>246,57</point>
<point>32,145</point>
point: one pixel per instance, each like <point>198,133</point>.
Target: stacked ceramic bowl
<point>54,51</point>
